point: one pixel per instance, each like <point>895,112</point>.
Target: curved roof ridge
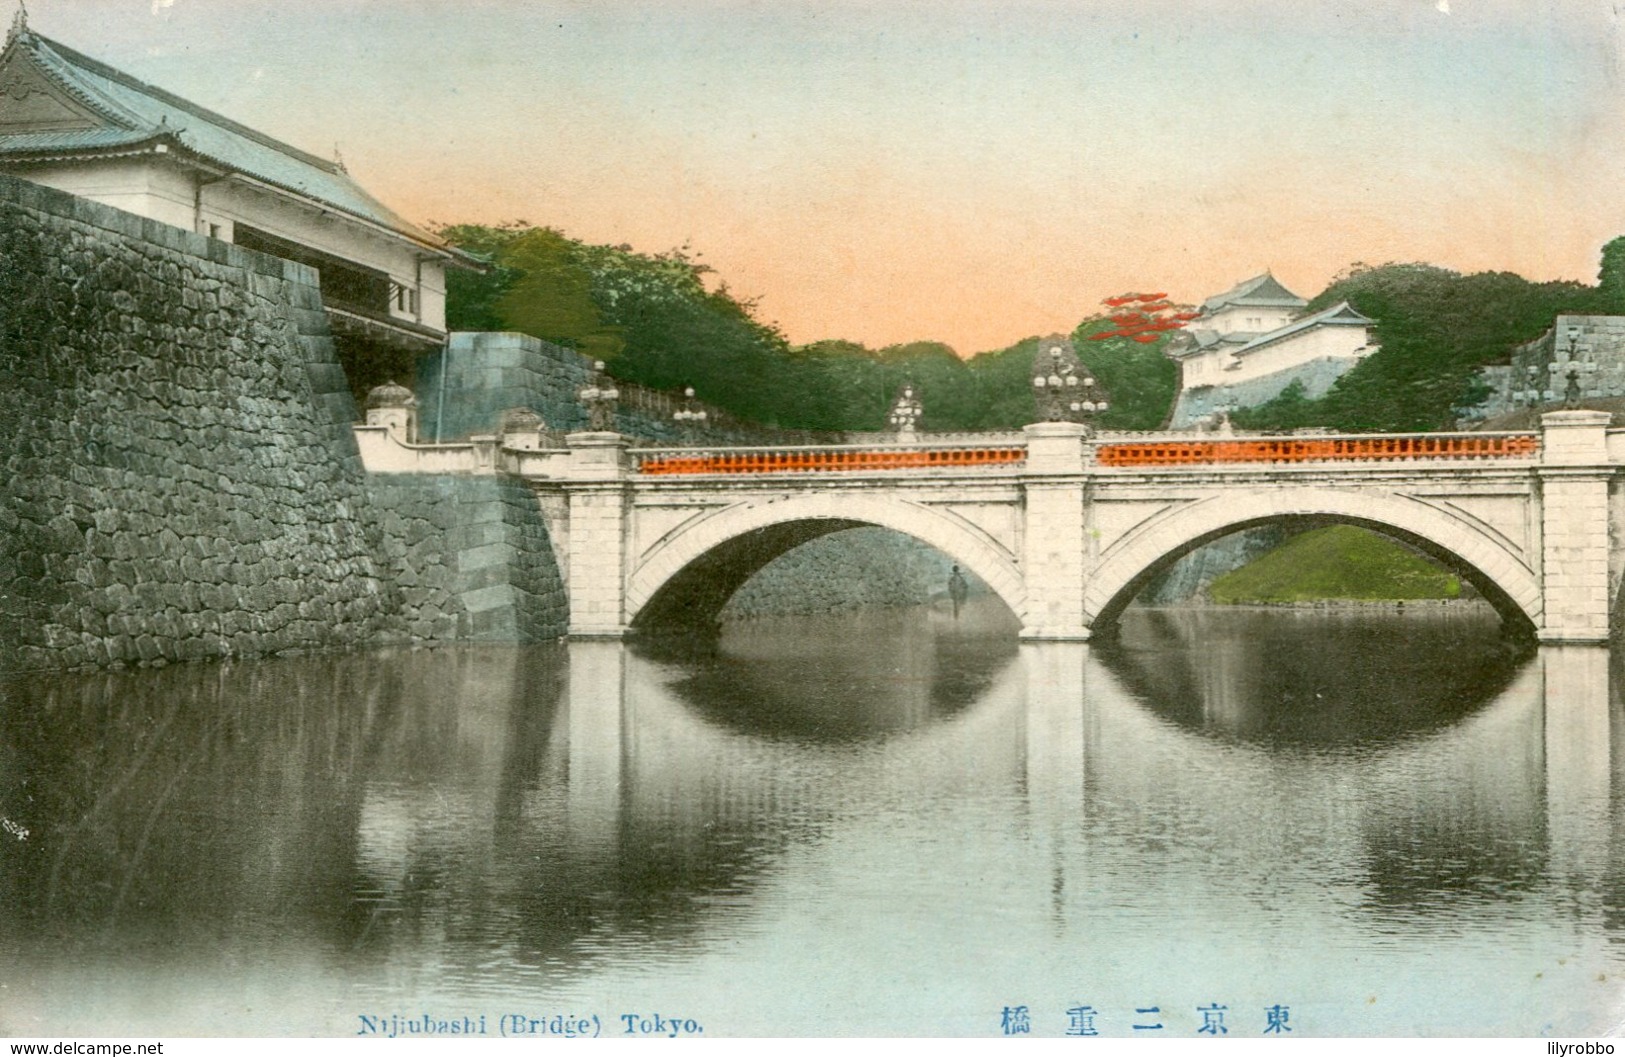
<point>101,69</point>
<point>134,105</point>
<point>1340,314</point>
<point>1262,289</point>
<point>57,70</point>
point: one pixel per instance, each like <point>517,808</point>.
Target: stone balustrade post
<point>1574,475</point>
<point>598,480</point>
<point>483,450</point>
<point>1052,555</point>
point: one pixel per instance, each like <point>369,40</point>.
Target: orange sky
<point>961,171</point>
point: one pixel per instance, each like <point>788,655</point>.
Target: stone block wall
<point>483,374</point>
<point>177,476</point>
<point>1592,347</point>
<point>1187,580</point>
<point>856,568</point>
<point>471,559</point>
<point>1192,407</point>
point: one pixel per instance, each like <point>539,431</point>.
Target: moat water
<point>896,823</point>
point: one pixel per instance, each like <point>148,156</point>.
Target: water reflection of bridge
<point>539,803</point>
<point>1059,733</point>
<point>614,754</point>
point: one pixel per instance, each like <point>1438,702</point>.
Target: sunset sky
<point>969,172</point>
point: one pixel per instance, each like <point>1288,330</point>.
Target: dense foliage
<point>1435,328</point>
<point>658,321</point>
<point>664,321</point>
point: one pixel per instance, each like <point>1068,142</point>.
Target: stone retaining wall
<point>471,558</point>
<point>1199,405</point>
<point>1536,376</point>
<point>856,568</point>
<point>483,374</point>
<point>177,476</point>
<point>1187,580</point>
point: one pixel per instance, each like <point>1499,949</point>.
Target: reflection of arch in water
<point>1467,549</point>
<point>686,580</point>
<point>853,677</point>
<point>687,770</point>
<point>1316,679</point>
<point>1447,817</point>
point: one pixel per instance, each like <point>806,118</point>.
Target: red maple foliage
<point>1145,317</point>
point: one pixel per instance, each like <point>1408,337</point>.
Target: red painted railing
<point>1318,449</point>
<point>826,460</point>
<point>1163,452</point>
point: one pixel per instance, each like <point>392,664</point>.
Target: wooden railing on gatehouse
<point>1345,448</point>
<point>864,459</point>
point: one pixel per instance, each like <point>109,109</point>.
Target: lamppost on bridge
<point>600,396</point>
<point>905,413</point>
<point>1062,388</point>
<point>690,418</point>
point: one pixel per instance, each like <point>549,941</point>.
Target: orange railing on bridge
<point>1167,451</point>
<point>1370,448</point>
<point>824,460</point>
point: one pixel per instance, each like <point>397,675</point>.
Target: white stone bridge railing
<point>949,452</point>
<point>1176,450</point>
<point>384,450</point>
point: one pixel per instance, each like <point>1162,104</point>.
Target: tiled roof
<point>137,113</point>
<point>1200,342</point>
<point>98,139</point>
<point>1341,314</point>
<point>1261,290</point>
<point>1197,341</point>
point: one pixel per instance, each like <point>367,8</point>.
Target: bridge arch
<point>740,539</point>
<point>1467,549</point>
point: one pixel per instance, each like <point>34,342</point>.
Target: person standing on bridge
<point>957,589</point>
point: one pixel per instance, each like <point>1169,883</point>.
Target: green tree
<point>1139,378</point>
<point>661,320</point>
<point>1611,277</point>
<point>471,296</point>
<point>1288,410</point>
<point>551,295</point>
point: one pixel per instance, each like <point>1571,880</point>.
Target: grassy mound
<point>1336,562</point>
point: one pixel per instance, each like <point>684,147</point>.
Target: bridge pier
<point>1052,553</point>
<point>1574,475</point>
<point>599,496</point>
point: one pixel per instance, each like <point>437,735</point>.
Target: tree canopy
<point>663,320</point>
<point>658,321</point>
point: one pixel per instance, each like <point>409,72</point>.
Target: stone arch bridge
<point>1063,527</point>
